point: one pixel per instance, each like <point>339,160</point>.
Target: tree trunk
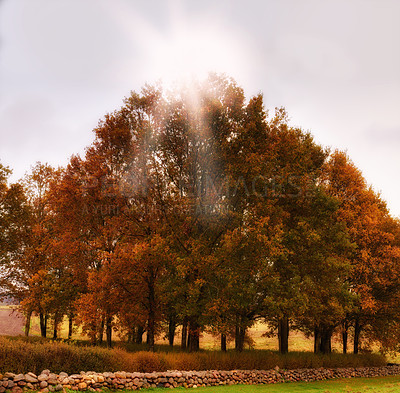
<point>317,340</point>
<point>101,331</point>
<point>55,326</point>
<point>70,324</point>
<point>357,331</point>
<point>345,335</point>
<point>283,334</point>
<point>43,327</point>
<point>189,339</point>
<point>109,332</point>
<point>171,329</point>
<point>236,337</point>
<point>132,334</point>
<point>184,334</point>
<point>151,322</point>
<point>150,332</point>
<point>139,334</point>
<point>28,323</point>
<point>194,335</point>
<point>223,342</point>
<point>242,337</point>
<point>240,333</point>
<point>326,335</point>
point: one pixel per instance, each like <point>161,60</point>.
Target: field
<point>359,385</point>
<point>11,321</point>
<point>12,324</point>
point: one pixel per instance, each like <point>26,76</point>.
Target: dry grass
<point>297,340</point>
<point>20,356</point>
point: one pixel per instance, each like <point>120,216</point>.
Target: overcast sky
<point>334,65</point>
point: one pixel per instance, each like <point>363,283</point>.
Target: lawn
<point>357,385</point>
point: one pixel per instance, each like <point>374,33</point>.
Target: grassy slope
<point>358,385</point>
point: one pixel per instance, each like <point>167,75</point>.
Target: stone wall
<point>50,382</point>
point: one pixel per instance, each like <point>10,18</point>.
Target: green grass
<point>357,385</point>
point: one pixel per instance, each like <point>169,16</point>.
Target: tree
<point>373,276</point>
<point>14,220</point>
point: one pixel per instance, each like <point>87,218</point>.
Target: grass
<point>23,355</point>
<point>357,385</point>
<point>4,306</point>
<point>297,340</point>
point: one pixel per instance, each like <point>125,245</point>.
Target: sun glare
<point>184,49</point>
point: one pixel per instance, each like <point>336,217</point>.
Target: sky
<point>333,64</point>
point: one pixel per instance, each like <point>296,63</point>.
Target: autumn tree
<point>373,276</point>
<point>15,213</point>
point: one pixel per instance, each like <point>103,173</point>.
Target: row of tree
<point>195,208</point>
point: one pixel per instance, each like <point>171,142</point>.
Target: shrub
<point>21,356</point>
<point>148,362</point>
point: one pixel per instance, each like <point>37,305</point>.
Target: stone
<point>92,381</point>
<point>30,378</point>
<point>45,372</point>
